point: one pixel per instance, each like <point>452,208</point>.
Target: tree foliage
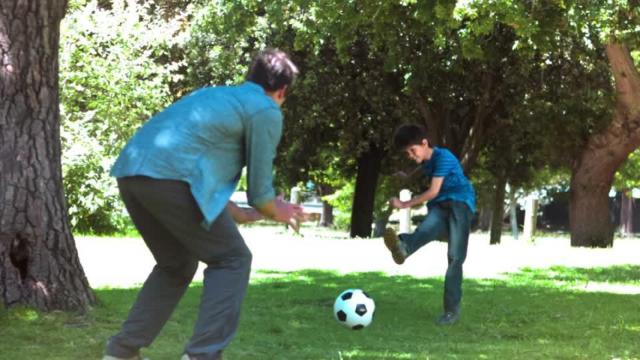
<point>115,74</point>
<point>510,87</point>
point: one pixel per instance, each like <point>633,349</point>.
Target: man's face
<point>419,152</point>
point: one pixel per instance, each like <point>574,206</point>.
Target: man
<point>176,176</point>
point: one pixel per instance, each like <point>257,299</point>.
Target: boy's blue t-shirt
<point>205,139</point>
<point>455,186</point>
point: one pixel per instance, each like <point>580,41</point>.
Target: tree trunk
<point>363,200</point>
<point>626,212</point>
<point>589,216</point>
<point>530,218</point>
<point>326,219</point>
<point>39,264</point>
<point>498,211</point>
<point>513,212</point>
<point>380,223</point>
<point>593,174</point>
<point>484,218</point>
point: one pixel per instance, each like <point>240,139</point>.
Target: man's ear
<point>282,92</point>
<point>426,142</point>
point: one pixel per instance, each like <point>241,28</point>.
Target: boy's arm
<point>431,193</point>
<point>404,176</point>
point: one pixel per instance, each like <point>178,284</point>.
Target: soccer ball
<point>354,309</point>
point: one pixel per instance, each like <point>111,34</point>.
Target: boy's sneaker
<point>137,357</point>
<point>395,245</point>
<point>187,357</point>
<point>448,318</point>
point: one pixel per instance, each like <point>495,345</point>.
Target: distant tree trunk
<point>484,217</point>
<point>530,218</point>
<point>498,211</point>
<point>326,219</point>
<point>626,213</point>
<point>381,223</point>
<point>39,263</point>
<point>593,174</point>
<point>363,200</point>
<point>513,212</point>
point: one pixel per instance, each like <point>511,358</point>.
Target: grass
<point>532,314</point>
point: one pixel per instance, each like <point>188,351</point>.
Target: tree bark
<point>498,211</point>
<point>626,212</point>
<point>363,200</point>
<point>39,263</point>
<point>326,219</point>
<point>513,212</point>
<point>593,174</point>
<point>485,213</point>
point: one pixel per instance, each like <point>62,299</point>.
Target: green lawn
<point>534,314</point>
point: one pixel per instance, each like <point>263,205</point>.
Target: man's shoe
<point>137,357</point>
<point>395,245</point>
<point>448,318</point>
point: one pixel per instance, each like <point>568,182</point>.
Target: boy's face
<point>419,152</point>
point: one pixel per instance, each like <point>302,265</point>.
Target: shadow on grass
<point>627,274</point>
<point>288,315</point>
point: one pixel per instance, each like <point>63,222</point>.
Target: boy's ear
<point>426,142</point>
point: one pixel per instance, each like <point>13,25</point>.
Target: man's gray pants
<point>170,222</point>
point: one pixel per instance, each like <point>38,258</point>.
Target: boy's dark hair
<point>272,69</point>
<point>409,134</point>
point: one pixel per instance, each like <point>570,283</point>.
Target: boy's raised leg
<point>395,246</point>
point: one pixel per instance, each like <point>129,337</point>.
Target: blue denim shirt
<point>205,139</point>
<point>455,185</point>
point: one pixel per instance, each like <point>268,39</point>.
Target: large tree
<point>613,27</point>
<point>39,263</point>
<point>594,171</point>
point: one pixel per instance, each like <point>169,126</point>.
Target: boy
<point>451,202</point>
<point>176,176</point>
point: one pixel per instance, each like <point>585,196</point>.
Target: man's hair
<point>409,134</point>
<point>272,69</point>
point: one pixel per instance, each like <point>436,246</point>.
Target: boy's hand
<point>398,204</point>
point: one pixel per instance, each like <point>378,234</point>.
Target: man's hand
<point>281,211</point>
<point>286,211</point>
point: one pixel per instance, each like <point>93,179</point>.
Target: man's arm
<point>243,215</point>
<point>431,193</point>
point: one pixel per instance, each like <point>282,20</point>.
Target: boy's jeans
<point>169,220</point>
<point>452,218</point>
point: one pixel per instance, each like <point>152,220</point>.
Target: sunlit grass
<point>533,314</point>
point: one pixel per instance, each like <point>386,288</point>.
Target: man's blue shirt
<point>455,186</point>
<point>205,139</point>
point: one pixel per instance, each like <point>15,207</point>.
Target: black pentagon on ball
<point>342,316</point>
<point>346,296</point>
<point>358,327</point>
<point>365,294</point>
<point>361,309</point>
